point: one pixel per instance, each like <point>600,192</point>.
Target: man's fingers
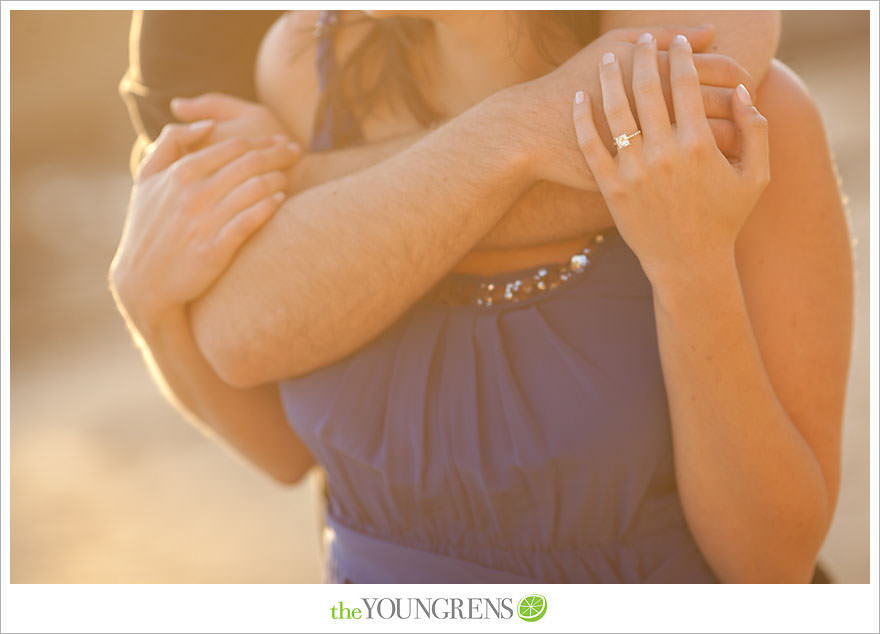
<point>720,70</point>
<point>171,146</point>
<point>598,159</point>
<point>726,137</point>
<point>212,105</point>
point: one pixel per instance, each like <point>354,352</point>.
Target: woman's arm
<point>756,358</point>
<point>753,302</point>
<point>186,219</point>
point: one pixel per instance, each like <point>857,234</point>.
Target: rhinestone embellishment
<point>453,291</point>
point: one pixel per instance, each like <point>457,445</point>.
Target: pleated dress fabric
<point>515,443</point>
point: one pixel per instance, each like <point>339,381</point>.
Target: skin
<point>758,484</point>
<point>757,455</point>
<point>273,314</point>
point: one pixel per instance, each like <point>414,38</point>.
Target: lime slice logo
<point>532,607</point>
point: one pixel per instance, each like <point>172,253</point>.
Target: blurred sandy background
<point>109,484</point>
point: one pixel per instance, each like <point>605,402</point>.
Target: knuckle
<point>636,175</point>
<point>694,145</point>
<point>615,191</point>
<point>661,161</point>
<point>617,109</point>
<point>646,86</point>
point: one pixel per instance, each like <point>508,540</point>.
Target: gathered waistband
<point>353,557</point>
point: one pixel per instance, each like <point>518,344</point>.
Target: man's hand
<point>233,117</point>
<point>549,97</point>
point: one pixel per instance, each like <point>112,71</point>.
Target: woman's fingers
<point>699,36</point>
<point>249,193</point>
<point>687,99</point>
<point>243,224</point>
<point>614,100</point>
<point>648,91</point>
<point>599,160</point>
<point>204,162</point>
<point>754,159</point>
<point>171,146</point>
<point>278,156</point>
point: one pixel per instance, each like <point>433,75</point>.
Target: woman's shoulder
<point>286,76</point>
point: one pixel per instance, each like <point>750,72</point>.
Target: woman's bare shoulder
<point>286,76</point>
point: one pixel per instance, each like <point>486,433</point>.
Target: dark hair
<point>356,87</point>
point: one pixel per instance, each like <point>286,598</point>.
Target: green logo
<point>532,607</point>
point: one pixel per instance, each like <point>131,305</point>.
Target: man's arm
<point>548,211</point>
<point>340,262</point>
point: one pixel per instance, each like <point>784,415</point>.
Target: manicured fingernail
<point>743,95</point>
<point>681,39</point>
<point>646,38</point>
<point>202,125</point>
<point>579,97</point>
<point>608,58</point>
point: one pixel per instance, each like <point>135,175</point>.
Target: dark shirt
<point>184,54</point>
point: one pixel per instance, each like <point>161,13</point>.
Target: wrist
<point>518,107</point>
<point>147,320</point>
<point>684,285</point>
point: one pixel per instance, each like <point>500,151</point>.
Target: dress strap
<point>332,126</point>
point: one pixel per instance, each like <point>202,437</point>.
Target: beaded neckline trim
<point>456,291</point>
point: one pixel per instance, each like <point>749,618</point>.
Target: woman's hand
<point>189,213</point>
<point>678,202</point>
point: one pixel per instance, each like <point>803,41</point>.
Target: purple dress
<point>513,443</point>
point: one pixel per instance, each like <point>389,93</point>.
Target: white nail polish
<point>645,38</point>
<point>608,58</point>
<point>681,39</point>
<point>579,97</point>
<point>743,95</point>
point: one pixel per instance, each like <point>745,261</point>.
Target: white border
<point>273,608</point>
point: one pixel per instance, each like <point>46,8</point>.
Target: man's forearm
<point>341,261</point>
<point>547,212</point>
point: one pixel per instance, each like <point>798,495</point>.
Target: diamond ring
<point>622,140</point>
